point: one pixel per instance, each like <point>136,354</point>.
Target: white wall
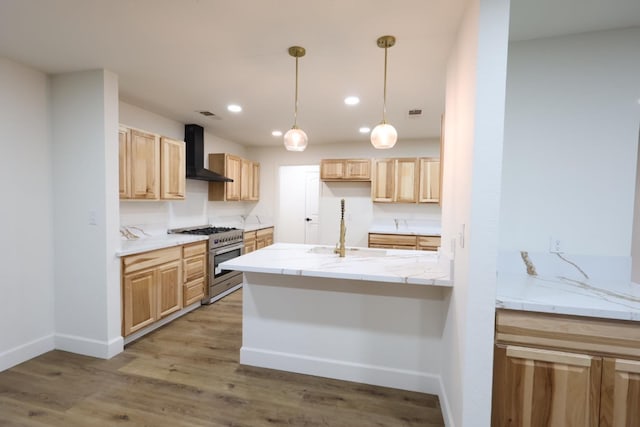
<point>571,137</point>
<point>357,195</point>
<point>474,115</point>
<point>84,111</point>
<point>26,255</point>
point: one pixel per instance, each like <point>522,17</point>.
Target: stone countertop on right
<point>574,285</point>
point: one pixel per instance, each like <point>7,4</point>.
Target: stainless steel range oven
<point>225,243</point>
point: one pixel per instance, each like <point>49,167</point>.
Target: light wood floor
<point>187,374</point>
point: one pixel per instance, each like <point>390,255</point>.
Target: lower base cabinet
<point>257,239</point>
<point>565,371</point>
<point>151,287</point>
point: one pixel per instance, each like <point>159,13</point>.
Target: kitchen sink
<point>350,252</point>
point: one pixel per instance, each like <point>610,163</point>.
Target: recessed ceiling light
<point>234,108</point>
<point>352,100</point>
<point>276,133</point>
<point>364,129</point>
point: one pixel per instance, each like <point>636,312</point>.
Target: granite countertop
<point>601,289</point>
<point>379,265</point>
<point>144,244</point>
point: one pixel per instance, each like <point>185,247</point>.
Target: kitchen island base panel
<point>370,332</point>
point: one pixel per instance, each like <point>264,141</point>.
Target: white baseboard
<point>88,346</point>
<point>24,352</point>
<point>348,371</point>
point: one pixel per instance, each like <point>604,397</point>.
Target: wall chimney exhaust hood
<point>194,144</point>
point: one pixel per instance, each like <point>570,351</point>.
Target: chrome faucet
<point>340,249</point>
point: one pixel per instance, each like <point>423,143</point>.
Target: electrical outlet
<point>555,245</point>
<point>92,218</point>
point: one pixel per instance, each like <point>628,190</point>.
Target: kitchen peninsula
<point>375,316</point>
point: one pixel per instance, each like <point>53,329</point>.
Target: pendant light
<point>384,135</point>
<point>295,139</point>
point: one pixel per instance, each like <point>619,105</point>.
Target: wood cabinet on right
<point>404,241</point>
<point>406,180</point>
<point>565,371</point>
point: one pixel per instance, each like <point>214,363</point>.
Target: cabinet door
<point>172,170</point>
<point>358,169</point>
<point>139,301</point>
<point>620,397</point>
<point>332,169</point>
<point>382,187</point>
<point>194,267</point>
<point>124,142</point>
<point>145,165</point>
<point>255,183</point>
<point>406,181</point>
<point>534,387</point>
<point>429,180</point>
<point>264,237</point>
<point>246,179</point>
<point>169,288</point>
<point>233,170</point>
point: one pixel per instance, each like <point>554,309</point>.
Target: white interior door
<point>298,200</point>
<point>312,205</point>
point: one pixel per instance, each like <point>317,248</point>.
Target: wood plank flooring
<point>187,374</point>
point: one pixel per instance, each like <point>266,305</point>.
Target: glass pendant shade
<point>295,139</point>
<point>384,136</point>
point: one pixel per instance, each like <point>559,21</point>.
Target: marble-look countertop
<point>144,244</point>
<point>254,227</point>
<point>379,265</point>
<point>574,290</point>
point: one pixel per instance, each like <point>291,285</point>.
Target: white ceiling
<point>177,57</point>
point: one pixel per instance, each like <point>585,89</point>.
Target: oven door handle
<point>226,249</point>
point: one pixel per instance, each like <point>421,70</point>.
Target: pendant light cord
<point>384,97</point>
<point>295,110</point>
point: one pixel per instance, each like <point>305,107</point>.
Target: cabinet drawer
<point>193,291</point>
<point>194,267</point>
<point>393,240</point>
<point>194,249</point>
<point>573,333</point>
<point>150,259</point>
<point>249,236</point>
<point>428,242</point>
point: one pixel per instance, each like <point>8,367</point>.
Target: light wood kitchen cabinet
<point>406,180</point>
<point>560,370</point>
<point>264,237</point>
<point>151,287</point>
<point>257,239</point>
<point>172,169</point>
<point>620,396</point>
<point>429,191</point>
<point>250,180</point>
<point>194,267</point>
<point>245,175</point>
<point>124,159</point>
<point>404,241</point>
<point>345,170</point>
<point>383,182</point>
<point>145,165</point>
<point>249,240</point>
<point>150,167</point>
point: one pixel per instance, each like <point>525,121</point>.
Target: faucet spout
<point>340,247</point>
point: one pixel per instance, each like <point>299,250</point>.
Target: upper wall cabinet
<point>151,168</point>
<point>345,170</point>
<point>172,169</point>
<point>245,174</point>
<point>406,180</point>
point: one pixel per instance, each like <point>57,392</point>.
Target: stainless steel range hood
<point>194,144</point>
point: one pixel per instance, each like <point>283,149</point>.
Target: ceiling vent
<point>209,114</point>
<point>415,113</point>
